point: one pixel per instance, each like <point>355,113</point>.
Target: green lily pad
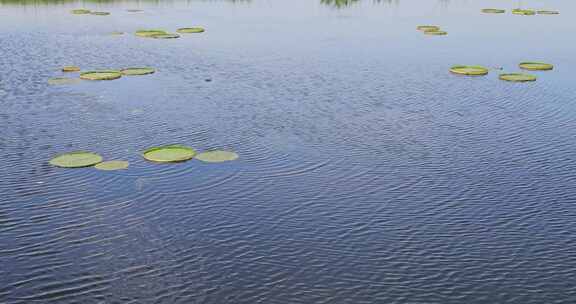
<point>525,12</point>
<point>165,36</point>
<point>112,165</point>
<point>436,33</point>
<point>101,75</point>
<point>149,33</point>
<point>134,10</point>
<point>548,12</point>
<point>517,77</point>
<point>100,13</point>
<point>80,11</point>
<point>76,159</point>
<point>171,153</point>
<point>428,28</point>
<point>217,156</point>
<point>536,66</point>
<point>470,70</point>
<point>70,68</point>
<point>137,71</point>
<point>493,11</point>
<point>190,30</point>
<point>116,33</point>
<point>63,81</point>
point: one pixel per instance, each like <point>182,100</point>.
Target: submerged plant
<point>217,156</point>
<point>63,81</point>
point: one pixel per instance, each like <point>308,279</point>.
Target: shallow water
<point>367,172</point>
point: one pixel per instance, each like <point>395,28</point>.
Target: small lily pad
<point>165,36</point>
<point>436,33</point>
<point>493,11</point>
<point>100,13</point>
<point>112,165</point>
<point>525,12</point>
<point>116,33</point>
<point>80,12</point>
<point>149,33</point>
<point>428,28</point>
<point>101,75</point>
<point>76,159</point>
<point>70,68</point>
<point>137,71</point>
<point>217,156</point>
<point>171,153</point>
<point>548,12</point>
<point>63,81</point>
<point>517,77</point>
<point>536,66</point>
<point>190,30</point>
<point>470,70</point>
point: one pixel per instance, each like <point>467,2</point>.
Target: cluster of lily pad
<point>161,154</point>
<point>431,30</point>
<point>99,74</point>
<point>519,11</point>
<point>88,12</point>
<point>476,70</point>
<point>162,34</point>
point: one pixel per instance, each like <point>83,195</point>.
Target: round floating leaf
<point>436,33</point>
<point>217,156</point>
<point>428,28</point>
<point>150,33</point>
<point>101,75</point>
<point>70,68</point>
<point>517,77</point>
<point>80,11</point>
<point>100,13</point>
<point>112,165</point>
<point>63,81</point>
<point>548,12</point>
<point>76,159</point>
<point>172,153</point>
<point>493,11</point>
<point>536,66</point>
<point>165,36</point>
<point>525,12</point>
<point>190,30</point>
<point>137,71</point>
<point>116,33</point>
<point>471,70</point>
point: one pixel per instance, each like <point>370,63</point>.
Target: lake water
<point>367,173</point>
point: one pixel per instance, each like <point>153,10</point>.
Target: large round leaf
<point>137,71</point>
<point>172,153</point>
<point>77,159</point>
<point>112,165</point>
<point>536,66</point>
<point>101,75</point>
<point>471,70</point>
<point>517,77</point>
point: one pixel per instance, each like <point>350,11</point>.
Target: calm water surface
<point>367,172</point>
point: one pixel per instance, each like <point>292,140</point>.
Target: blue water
<point>367,173</point>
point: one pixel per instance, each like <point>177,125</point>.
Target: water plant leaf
<point>100,13</point>
<point>80,11</point>
<point>526,12</point>
<point>170,153</point>
<point>77,159</point>
<point>217,156</point>
<point>134,10</point>
<point>165,36</point>
<point>70,68</point>
<point>189,30</point>
<point>548,12</point>
<point>116,33</point>
<point>435,33</point>
<point>112,165</point>
<point>137,71</point>
<point>536,66</point>
<point>428,28</point>
<point>63,81</point>
<point>470,70</point>
<point>149,33</point>
<point>517,77</point>
<point>493,11</point>
<point>101,75</point>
